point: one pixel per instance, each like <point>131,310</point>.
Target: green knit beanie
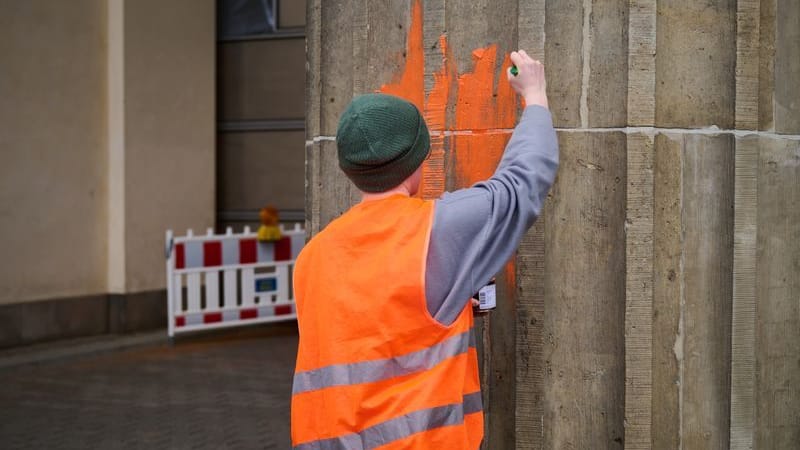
<point>381,141</point>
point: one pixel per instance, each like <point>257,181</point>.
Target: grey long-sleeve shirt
<point>477,229</point>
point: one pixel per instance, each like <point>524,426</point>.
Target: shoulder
<point>464,204</point>
<point>459,218</point>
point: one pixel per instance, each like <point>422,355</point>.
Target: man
<point>386,356</point>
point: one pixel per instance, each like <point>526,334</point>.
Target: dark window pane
<point>237,18</point>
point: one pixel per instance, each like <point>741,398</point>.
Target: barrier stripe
<point>212,317</point>
<point>212,253</point>
<point>232,250</point>
<point>180,256</point>
<point>247,251</point>
<point>283,249</point>
<point>395,429</point>
<point>265,251</point>
<point>380,369</point>
<point>251,313</point>
<point>233,315</point>
<point>194,254</point>
<point>298,241</point>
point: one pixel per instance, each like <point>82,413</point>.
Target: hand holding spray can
<point>486,297</point>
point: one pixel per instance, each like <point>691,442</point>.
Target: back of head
<point>381,141</point>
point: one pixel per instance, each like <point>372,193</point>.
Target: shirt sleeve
<point>477,229</point>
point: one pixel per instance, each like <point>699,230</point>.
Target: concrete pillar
<point>705,321</point>
<point>639,292</point>
<point>666,300</point>
<point>692,290</point>
<point>777,319</point>
<point>589,39</point>
<point>786,102</point>
<point>768,64</point>
<point>695,63</point>
<point>585,294</point>
<point>642,307</point>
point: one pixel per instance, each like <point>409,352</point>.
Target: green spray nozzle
<point>514,70</point>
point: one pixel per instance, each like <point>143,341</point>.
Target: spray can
<point>487,297</point>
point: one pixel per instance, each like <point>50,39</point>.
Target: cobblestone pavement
<point>224,391</point>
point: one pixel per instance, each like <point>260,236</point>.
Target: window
<point>253,19</point>
<point>260,109</point>
<point>241,18</point>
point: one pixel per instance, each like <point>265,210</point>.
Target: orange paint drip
<point>511,272</point>
<point>410,85</point>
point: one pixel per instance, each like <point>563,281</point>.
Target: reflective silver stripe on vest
<point>473,403</point>
<point>381,369</point>
<point>473,342</point>
<point>398,428</point>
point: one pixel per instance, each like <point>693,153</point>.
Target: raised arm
<point>476,230</point>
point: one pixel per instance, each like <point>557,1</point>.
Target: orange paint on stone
<point>474,157</point>
<point>485,110</point>
<point>439,97</point>
<point>433,170</point>
<point>485,113</point>
<point>481,105</point>
<point>511,273</point>
<point>410,85</point>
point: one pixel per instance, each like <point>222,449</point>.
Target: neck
<point>401,190</point>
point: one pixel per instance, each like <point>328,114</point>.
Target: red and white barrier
<point>225,280</point>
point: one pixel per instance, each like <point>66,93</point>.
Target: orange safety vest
<point>374,369</point>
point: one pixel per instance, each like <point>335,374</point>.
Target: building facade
<point>122,119</point>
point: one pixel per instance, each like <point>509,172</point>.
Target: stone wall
<point>655,302</point>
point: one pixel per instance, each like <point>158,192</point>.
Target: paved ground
<point>228,390</point>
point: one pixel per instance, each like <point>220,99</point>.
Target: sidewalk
<point>226,390</point>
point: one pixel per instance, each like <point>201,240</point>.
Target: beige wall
<point>53,192</point>
<point>107,140</point>
<point>169,129</point>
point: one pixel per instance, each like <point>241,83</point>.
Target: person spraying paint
<point>387,353</point>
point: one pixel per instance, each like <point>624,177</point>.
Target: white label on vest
<point>487,297</point>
